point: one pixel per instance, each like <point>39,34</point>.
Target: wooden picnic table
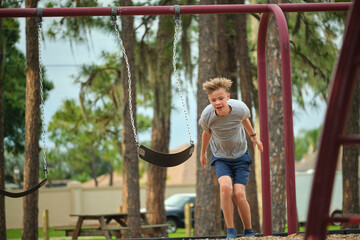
<point>104,229</point>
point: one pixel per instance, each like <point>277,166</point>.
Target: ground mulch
<point>301,236</point>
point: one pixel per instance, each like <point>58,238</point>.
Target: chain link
<point>177,25</point>
<point>113,22</point>
<point>42,95</point>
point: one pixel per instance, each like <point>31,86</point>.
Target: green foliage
<point>314,41</point>
<point>306,142</point>
<point>301,148</point>
<point>14,88</point>
<point>147,54</point>
<point>12,3</point>
<point>14,163</point>
<point>58,167</point>
<point>80,144</point>
<point>88,135</point>
<point>76,30</point>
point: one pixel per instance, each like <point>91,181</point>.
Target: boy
<point>224,121</point>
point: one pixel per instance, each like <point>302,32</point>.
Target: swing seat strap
<point>24,193</point>
<point>165,159</point>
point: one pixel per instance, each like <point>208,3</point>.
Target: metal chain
<point>113,22</point>
<point>177,25</point>
<point>39,21</point>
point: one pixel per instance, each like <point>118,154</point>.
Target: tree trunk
<point>111,173</point>
<point>32,127</point>
<point>226,65</point>
<point>225,46</point>
<point>207,207</point>
<point>350,161</point>
<point>276,128</point>
<point>131,195</point>
<point>246,88</point>
<point>2,156</point>
<point>94,168</point>
<point>160,138</point>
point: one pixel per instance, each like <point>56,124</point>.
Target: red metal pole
<point>169,10</point>
<point>342,88</point>
<point>264,126</point>
<point>350,219</point>
<point>288,120</point>
<point>314,7</point>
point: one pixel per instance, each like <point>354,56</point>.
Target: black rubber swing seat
<point>24,193</point>
<point>165,159</point>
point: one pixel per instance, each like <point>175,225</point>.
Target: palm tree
<point>2,157</point>
<point>207,207</point>
<point>232,48</point>
<point>276,141</point>
<point>247,89</point>
<point>226,65</point>
<point>131,195</point>
<point>32,127</point>
<point>160,137</point>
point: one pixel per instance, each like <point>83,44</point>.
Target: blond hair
<point>216,83</point>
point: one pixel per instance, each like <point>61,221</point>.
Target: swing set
<point>340,95</point>
<point>145,153</point>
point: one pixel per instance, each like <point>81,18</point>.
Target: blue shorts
<point>238,169</point>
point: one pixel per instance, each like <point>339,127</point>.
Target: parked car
<point>174,207</point>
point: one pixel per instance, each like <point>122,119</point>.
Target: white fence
<point>74,199</point>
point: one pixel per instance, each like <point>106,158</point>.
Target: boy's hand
<point>203,160</point>
<point>257,143</point>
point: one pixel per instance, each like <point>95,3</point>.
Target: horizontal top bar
<point>169,10</point>
<point>350,139</point>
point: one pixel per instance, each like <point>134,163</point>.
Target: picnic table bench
<point>91,231</point>
<point>104,229</point>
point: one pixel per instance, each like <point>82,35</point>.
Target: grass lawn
<point>15,234</point>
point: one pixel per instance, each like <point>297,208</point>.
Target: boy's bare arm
<point>247,125</point>
<point>206,136</point>
<point>249,129</point>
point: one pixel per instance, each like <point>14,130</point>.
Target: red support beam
<point>350,139</point>
<point>349,219</point>
<point>288,119</point>
<point>264,126</point>
<point>169,10</point>
<point>342,87</point>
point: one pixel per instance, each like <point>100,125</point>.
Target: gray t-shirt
<point>228,139</point>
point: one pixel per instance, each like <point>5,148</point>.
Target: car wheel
<point>171,225</point>
<point>336,213</point>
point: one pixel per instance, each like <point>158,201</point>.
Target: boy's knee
<point>239,195</point>
<point>226,189</point>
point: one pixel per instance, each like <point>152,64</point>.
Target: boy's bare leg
<point>243,205</point>
<point>226,193</point>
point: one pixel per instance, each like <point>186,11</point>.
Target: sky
<point>62,63</point>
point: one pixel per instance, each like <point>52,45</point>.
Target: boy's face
<point>218,100</point>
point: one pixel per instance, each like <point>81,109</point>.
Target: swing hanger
<point>177,14</point>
